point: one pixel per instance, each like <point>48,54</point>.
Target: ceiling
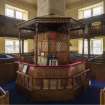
<point>73,1</point>
<point>33,2</point>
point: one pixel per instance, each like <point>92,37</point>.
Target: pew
<point>4,97</point>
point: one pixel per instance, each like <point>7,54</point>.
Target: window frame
<point>87,16</point>
<point>102,47</point>
<point>80,46</point>
<point>15,9</point>
<point>16,46</point>
<point>6,12</point>
<point>81,11</point>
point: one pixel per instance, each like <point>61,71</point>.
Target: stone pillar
<point>104,5</point>
<point>51,7</point>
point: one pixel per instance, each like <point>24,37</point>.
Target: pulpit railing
<point>73,82</point>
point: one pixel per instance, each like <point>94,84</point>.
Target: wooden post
<point>83,43</point>
<point>36,44</point>
<point>69,44</point>
<point>83,47</point>
<point>88,47</point>
<point>19,42</point>
<point>22,46</point>
<point>87,34</point>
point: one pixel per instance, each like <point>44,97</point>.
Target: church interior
<point>52,52</point>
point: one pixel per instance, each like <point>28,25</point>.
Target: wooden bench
<point>8,72</point>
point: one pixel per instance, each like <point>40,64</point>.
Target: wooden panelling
<point>47,83</point>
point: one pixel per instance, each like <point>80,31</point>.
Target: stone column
<point>51,7</point>
<point>104,5</point>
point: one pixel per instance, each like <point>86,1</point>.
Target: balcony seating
<point>8,68</point>
<point>97,66</point>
